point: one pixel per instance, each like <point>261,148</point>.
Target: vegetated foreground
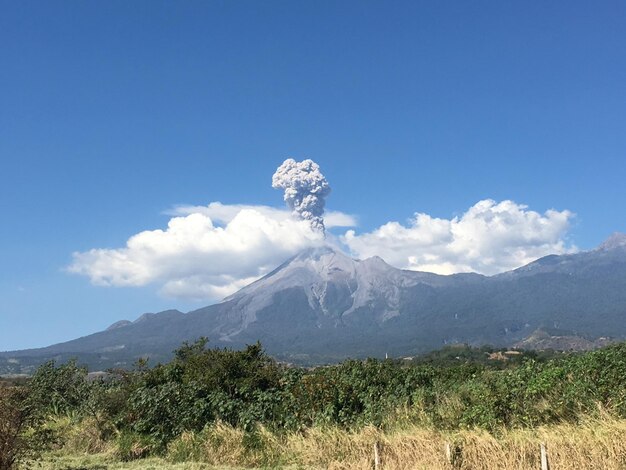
<point>459,408</point>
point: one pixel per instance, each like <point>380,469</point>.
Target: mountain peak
<point>119,324</point>
<point>317,252</point>
<point>616,240</point>
<point>322,259</point>
<point>312,265</point>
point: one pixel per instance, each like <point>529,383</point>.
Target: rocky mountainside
<point>323,306</point>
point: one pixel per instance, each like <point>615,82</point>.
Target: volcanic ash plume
<point>305,190</point>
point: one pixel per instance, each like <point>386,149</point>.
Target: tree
<point>60,390</point>
<point>22,434</point>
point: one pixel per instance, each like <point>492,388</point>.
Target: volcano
<point>323,306</point>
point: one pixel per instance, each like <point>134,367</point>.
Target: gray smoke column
<point>305,190</point>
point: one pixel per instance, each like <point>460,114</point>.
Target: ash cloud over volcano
<point>208,252</point>
<point>305,188</point>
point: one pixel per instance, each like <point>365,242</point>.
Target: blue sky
<point>112,113</point>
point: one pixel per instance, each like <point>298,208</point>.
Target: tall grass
<point>239,408</point>
<point>590,444</point>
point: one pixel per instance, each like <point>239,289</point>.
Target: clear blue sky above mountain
<point>113,112</point>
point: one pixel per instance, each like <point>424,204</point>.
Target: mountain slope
<point>322,305</point>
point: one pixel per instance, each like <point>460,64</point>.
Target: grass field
<point>239,409</point>
<point>592,444</point>
<point>60,461</point>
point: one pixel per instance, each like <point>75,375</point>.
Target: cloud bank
<point>196,259</point>
<point>209,252</point>
<point>490,237</point>
<point>224,213</point>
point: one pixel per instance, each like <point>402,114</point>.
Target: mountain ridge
<point>323,304</point>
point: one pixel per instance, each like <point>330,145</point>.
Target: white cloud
<point>489,238</point>
<point>339,219</point>
<point>209,252</point>
<point>224,213</point>
<point>196,259</point>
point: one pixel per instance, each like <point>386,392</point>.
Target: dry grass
<point>106,462</point>
<point>337,449</point>
<point>86,438</point>
<point>593,444</point>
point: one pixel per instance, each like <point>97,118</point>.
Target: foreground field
<point>458,408</point>
<point>592,444</point>
<point>107,462</point>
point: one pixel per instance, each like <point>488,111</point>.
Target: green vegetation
<point>22,431</point>
<point>209,402</point>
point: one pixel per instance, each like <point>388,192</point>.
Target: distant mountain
<point>321,306</point>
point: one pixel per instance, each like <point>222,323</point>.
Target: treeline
<point>149,407</point>
<point>487,355</point>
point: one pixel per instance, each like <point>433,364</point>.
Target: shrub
<point>22,434</point>
<point>133,446</point>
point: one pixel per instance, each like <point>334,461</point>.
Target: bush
<point>133,446</point>
<point>60,390</point>
<point>246,391</point>
<point>22,434</point>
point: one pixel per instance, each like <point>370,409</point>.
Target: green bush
<point>22,431</point>
<point>152,408</point>
<point>133,445</point>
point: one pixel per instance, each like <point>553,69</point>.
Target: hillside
<point>323,306</point>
